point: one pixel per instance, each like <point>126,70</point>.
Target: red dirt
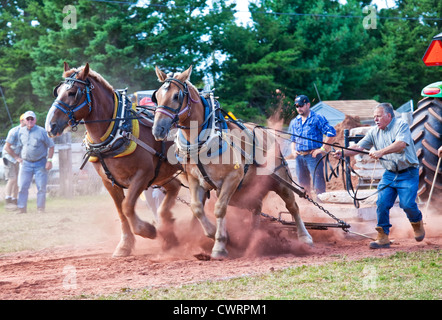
<point>71,271</point>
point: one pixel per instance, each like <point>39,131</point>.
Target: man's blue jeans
<point>405,186</point>
<point>27,171</point>
<point>305,168</point>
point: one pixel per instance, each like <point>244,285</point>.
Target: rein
<point>344,163</point>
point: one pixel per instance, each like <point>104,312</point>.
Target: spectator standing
<point>308,129</point>
<point>36,160</point>
<point>11,165</point>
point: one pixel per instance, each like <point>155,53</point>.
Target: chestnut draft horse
<point>229,166</point>
<point>121,144</point>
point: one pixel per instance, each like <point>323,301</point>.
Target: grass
<point>402,276</point>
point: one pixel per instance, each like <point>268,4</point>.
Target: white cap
<point>30,114</point>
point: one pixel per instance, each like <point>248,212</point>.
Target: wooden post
<point>65,166</point>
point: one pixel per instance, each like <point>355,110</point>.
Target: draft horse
<point>232,169</point>
<point>123,150</point>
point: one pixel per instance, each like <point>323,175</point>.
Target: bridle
<point>175,114</point>
<point>70,110</point>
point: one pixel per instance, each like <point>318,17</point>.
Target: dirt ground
<point>86,267</point>
<point>68,272</point>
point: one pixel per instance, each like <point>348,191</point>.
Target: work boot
<point>419,232</point>
<point>381,241</point>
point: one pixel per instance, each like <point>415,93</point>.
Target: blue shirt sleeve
<point>326,128</point>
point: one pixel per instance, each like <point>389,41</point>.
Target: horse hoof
<point>306,240</point>
<point>149,231</point>
<point>169,240</point>
<point>219,255</point>
<point>120,252</point>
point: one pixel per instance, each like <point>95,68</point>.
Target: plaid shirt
<point>314,128</point>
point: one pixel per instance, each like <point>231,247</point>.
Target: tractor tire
<point>426,131</point>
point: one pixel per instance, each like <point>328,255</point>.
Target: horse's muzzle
<point>161,128</point>
<point>55,130</point>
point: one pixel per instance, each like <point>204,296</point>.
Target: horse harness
<point>119,139</point>
<point>70,110</point>
<point>211,134</point>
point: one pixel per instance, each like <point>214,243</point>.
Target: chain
<point>331,215</point>
<point>183,201</point>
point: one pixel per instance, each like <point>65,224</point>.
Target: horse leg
<point>197,196</point>
<point>228,188</point>
<point>127,240</point>
<point>138,226</point>
<point>166,229</point>
<point>290,202</point>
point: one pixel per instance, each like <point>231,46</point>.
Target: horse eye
<point>175,97</point>
<point>71,94</point>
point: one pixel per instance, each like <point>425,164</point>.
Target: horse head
<point>173,102</point>
<point>72,100</point>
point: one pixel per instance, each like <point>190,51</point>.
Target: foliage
<point>291,45</point>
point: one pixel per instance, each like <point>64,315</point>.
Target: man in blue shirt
<point>308,129</point>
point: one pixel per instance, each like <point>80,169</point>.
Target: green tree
<point>18,36</point>
<point>121,41</point>
<point>403,44</point>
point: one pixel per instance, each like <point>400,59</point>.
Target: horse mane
<point>93,74</point>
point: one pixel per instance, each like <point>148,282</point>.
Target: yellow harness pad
<point>135,132</point>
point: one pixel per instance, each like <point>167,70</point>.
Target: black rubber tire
<point>427,135</point>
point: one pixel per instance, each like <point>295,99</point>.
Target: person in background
<point>11,165</point>
<point>394,147</point>
<point>35,159</point>
<point>307,152</point>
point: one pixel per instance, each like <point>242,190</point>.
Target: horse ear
<point>185,76</point>
<point>66,66</point>
<point>160,74</point>
<point>85,72</point>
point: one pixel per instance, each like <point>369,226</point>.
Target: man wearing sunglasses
<point>308,129</point>
<point>35,159</point>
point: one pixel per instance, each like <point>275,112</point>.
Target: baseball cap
<point>28,114</point>
<point>147,101</point>
<point>301,100</point>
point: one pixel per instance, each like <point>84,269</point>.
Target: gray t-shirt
<point>12,139</point>
<point>397,130</point>
<point>35,143</point>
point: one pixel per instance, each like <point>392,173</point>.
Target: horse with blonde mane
<point>237,160</point>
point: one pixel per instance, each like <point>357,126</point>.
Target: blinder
<point>55,92</point>
<point>154,97</point>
